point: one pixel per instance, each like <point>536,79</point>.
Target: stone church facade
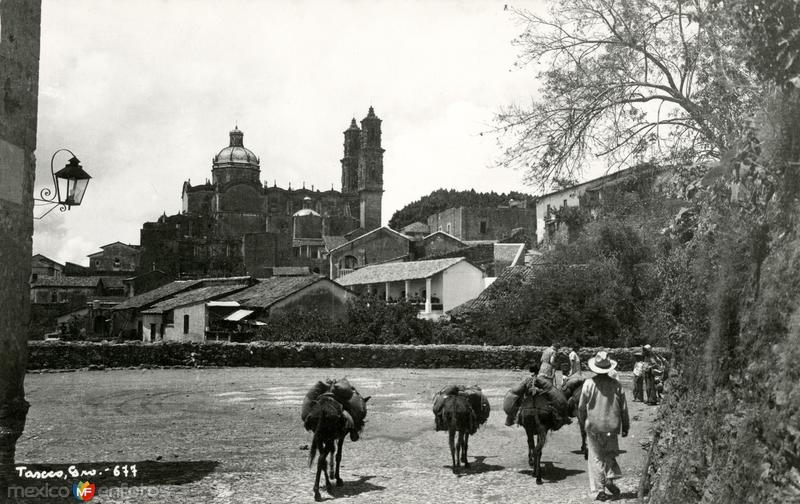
<point>235,224</point>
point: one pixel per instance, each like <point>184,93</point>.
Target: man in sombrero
<point>603,412</point>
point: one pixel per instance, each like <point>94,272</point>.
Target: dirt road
<point>234,435</point>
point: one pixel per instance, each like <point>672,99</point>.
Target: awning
<point>238,315</point>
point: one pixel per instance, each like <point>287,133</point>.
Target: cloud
<point>146,93</point>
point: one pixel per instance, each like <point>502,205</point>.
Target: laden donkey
<point>353,412</point>
<point>327,420</point>
<point>459,409</point>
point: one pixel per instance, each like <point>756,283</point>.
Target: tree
<point>627,80</point>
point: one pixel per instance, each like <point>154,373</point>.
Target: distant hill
<point>442,199</point>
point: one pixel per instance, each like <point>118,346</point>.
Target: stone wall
<point>71,355</point>
<point>19,76</point>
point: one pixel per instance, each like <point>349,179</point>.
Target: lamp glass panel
<point>75,191</point>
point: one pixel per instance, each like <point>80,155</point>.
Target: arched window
<point>349,262</point>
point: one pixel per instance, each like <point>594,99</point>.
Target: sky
<point>144,92</point>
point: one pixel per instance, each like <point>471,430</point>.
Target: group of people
<point>648,373</point>
<point>602,407</point>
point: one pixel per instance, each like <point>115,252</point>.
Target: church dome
<point>236,152</point>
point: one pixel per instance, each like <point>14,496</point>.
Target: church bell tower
<point>370,172</point>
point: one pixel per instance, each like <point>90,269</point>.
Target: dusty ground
<point>234,435</point>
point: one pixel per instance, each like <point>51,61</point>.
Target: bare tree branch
<point>623,79</point>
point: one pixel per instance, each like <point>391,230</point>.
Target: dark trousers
<point>650,386</point>
<point>638,388</point>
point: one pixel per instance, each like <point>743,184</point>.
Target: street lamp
<point>69,184</point>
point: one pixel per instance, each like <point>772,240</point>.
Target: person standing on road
<point>574,362</point>
<point>603,412</point>
<point>638,377</point>
<point>547,369</point>
<point>654,366</point>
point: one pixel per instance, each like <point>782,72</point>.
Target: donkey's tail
<point>315,442</point>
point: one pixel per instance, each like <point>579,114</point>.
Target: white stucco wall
<point>555,200</point>
<point>458,284</point>
<point>148,319</point>
<point>197,324</point>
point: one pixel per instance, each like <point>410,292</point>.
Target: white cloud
<point>145,92</point>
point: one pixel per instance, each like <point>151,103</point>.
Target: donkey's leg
<point>451,434</point>
<point>329,447</point>
<point>542,439</point>
<point>339,481</point>
<point>460,448</point>
<point>529,434</point>
<point>464,450</point>
<point>320,467</point>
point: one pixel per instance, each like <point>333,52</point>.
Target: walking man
<point>603,412</point>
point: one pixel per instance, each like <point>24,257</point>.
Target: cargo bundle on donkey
<point>332,409</point>
<point>460,409</point>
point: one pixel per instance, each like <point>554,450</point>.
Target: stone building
<point>472,224</point>
<point>115,257</point>
<point>234,223</point>
<point>644,181</point>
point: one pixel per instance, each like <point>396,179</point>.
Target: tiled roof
<point>194,296</point>
<point>41,257</point>
<point>67,281</point>
<point>298,242</point>
<point>113,282</point>
<point>157,294</point>
<point>290,271</point>
<point>331,242</point>
<point>509,252</point>
<point>446,235</point>
<point>416,227</point>
<point>393,272</point>
<point>384,229</point>
<point>535,258</point>
<point>269,291</point>
<point>506,285</point>
<point>479,242</point>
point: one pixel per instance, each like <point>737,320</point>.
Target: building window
<point>152,332</point>
<point>565,202</point>
<point>117,262</point>
<point>483,227</point>
<point>186,324</point>
<point>448,228</point>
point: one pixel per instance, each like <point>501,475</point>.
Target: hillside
<point>442,199</point>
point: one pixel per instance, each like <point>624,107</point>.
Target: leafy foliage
<point>442,199</point>
<point>589,292</point>
<point>369,321</point>
<point>731,305</point>
<point>772,31</point>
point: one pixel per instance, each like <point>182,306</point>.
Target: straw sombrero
<point>602,363</point>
